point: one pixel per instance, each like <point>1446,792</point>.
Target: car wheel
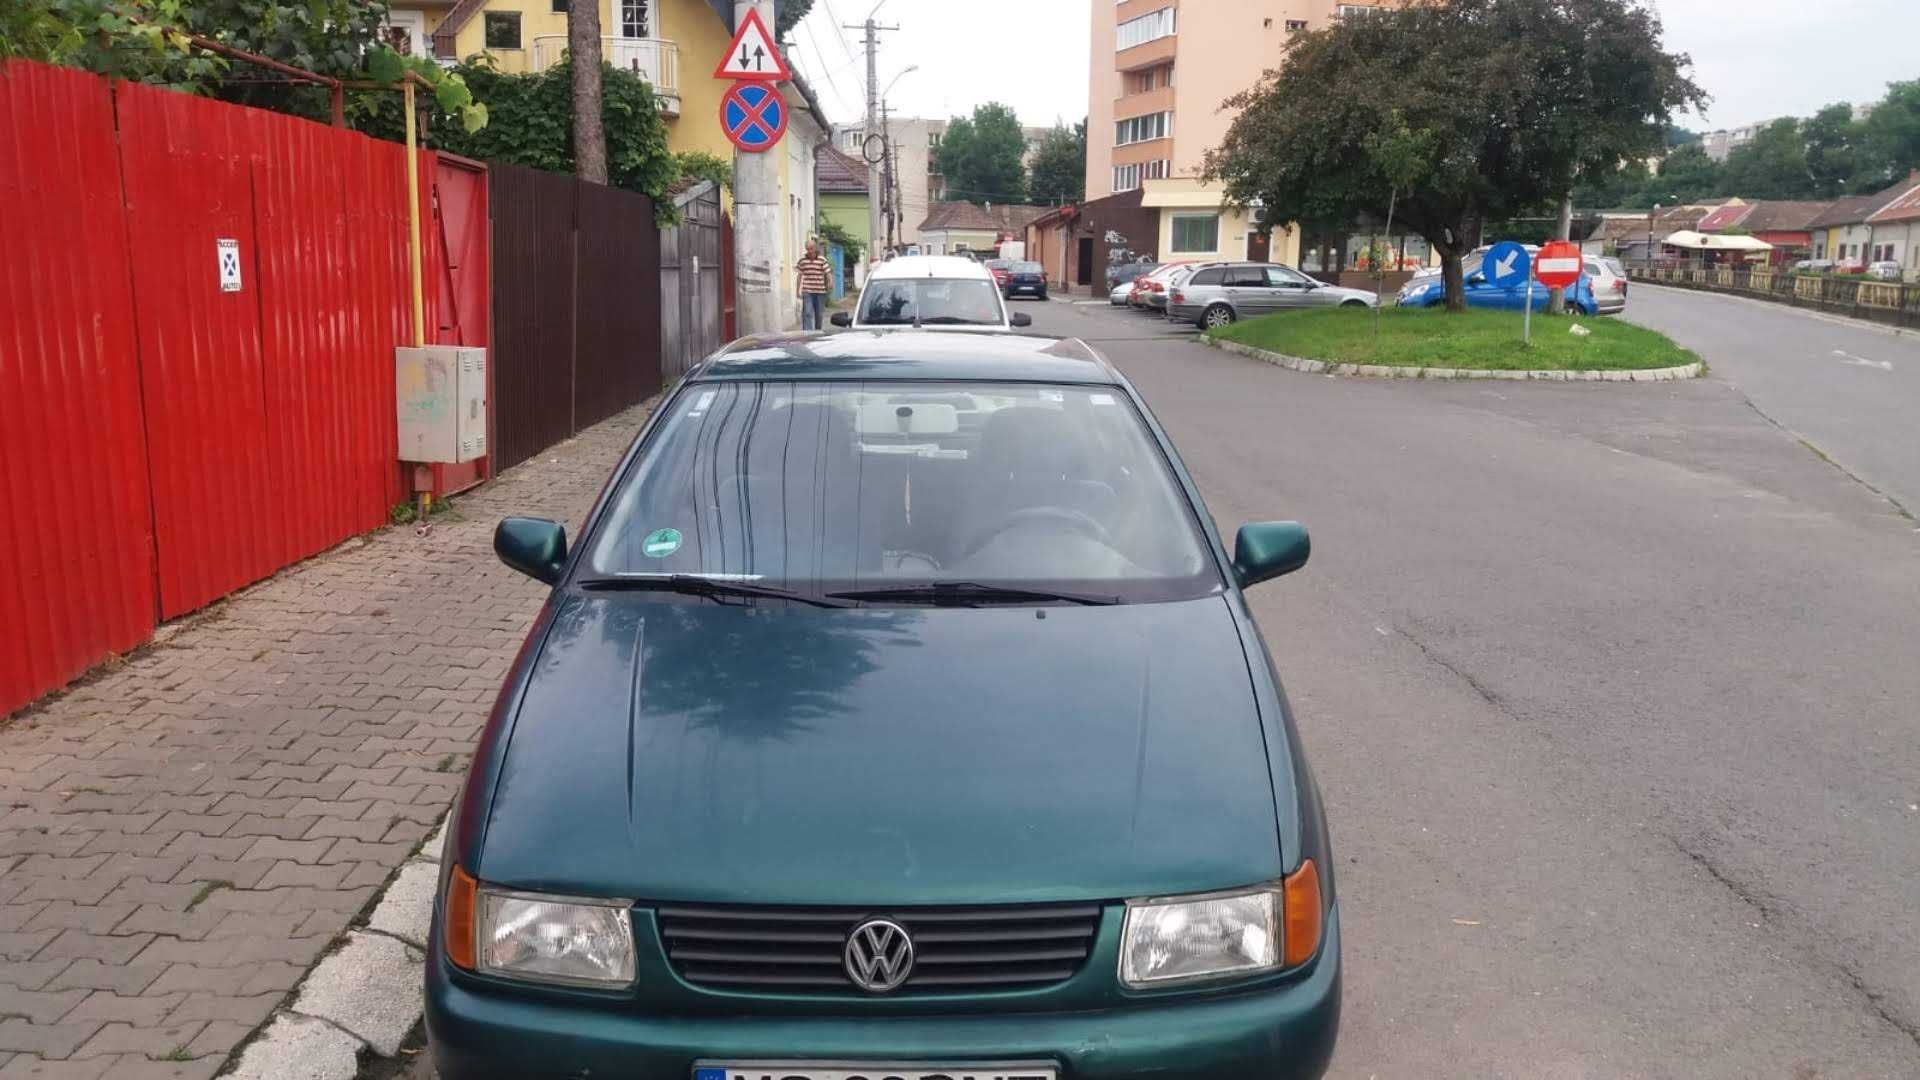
<point>1216,316</point>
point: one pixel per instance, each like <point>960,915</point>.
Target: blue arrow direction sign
<point>1506,265</point>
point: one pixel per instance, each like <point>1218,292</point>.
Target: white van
<point>931,290</point>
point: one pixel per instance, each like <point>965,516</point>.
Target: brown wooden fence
<point>1880,301</point>
<point>576,306</point>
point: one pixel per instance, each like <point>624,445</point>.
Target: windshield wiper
<point>949,320</point>
<point>696,585</point>
<point>964,593</point>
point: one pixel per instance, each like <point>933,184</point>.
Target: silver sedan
<point>1222,293</point>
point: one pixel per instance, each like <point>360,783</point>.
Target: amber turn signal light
<point>463,896</point>
<point>1303,914</point>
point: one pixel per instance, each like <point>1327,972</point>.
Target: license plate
<point>879,1070</point>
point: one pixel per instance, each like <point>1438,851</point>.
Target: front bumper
<point>1276,1031</point>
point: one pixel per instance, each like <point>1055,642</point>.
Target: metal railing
<point>655,60</point>
<point>1882,301</point>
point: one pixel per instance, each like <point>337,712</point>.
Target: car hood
<point>671,748</point>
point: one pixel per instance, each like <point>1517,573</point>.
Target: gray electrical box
<point>442,400</point>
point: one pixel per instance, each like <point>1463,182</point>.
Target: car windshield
<point>930,301</point>
<point>823,487</point>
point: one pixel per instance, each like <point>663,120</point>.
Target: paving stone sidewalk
<point>183,836</point>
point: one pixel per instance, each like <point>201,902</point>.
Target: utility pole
<point>874,191</point>
<point>756,217</point>
<point>890,177</point>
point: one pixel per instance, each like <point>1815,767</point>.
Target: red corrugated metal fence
<point>165,440</point>
<point>76,539</point>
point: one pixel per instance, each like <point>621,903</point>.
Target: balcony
<point>655,60</point>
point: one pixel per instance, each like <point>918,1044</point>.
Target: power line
<point>839,35</point>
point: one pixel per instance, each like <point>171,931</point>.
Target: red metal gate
<point>198,308</point>
<point>459,274</point>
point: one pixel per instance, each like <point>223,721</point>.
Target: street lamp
<point>904,72</point>
<point>888,176</point>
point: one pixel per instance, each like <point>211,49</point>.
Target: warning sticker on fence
<point>227,251</point>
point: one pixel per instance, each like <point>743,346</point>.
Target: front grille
<point>956,949</point>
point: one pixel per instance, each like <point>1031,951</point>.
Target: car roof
<point>929,266</point>
<point>907,354</point>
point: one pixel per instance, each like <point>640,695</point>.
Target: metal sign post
<point>1526,321</point>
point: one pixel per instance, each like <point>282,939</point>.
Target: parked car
<point>998,267</point>
<point>1124,273</point>
<point>1154,293</point>
<point>1885,270</point>
<point>1432,292</point>
<point>1154,281</point>
<point>1117,296</point>
<point>931,290</point>
<point>799,776</point>
<point>1221,293</point>
<point>1025,279</point>
<point>1814,266</point>
<point>1608,280</point>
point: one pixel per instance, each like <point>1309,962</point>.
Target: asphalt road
<point>1850,389</point>
<point>1611,691</point>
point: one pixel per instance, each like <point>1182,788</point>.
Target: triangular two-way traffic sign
<point>753,54</point>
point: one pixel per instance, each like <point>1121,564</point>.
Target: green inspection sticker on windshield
<point>661,543</point>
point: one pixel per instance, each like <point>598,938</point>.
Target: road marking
<point>1861,361</point>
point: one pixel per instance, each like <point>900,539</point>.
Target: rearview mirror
<point>841,318</point>
<point>1020,318</point>
<point>534,546</point>
<point>1268,549</point>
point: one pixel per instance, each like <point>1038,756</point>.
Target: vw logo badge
<point>879,955</point>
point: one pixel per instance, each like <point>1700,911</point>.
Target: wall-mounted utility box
<point>442,396</point>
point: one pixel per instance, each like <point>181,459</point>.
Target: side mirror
<point>534,546</point>
<point>841,318</point>
<point>1021,318</point>
<point>1268,549</point>
<point>1476,279</point>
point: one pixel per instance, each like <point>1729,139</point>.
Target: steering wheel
<point>1076,520</point>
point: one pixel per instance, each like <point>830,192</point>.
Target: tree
<point>787,15</point>
<point>1520,99</point>
<point>1890,138</point>
<point>589,131</point>
<point>1772,166</point>
<point>1060,166</point>
<point>530,122</point>
<point>1831,153</point>
<point>980,157</point>
<point>1687,174</point>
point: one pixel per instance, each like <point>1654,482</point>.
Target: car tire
<point>1353,303</point>
<point>1216,316</point>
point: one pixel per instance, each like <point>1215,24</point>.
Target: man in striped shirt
<point>813,273</point>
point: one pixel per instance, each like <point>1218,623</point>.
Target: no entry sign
<point>1558,265</point>
<point>754,116</point>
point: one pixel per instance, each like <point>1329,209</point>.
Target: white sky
<point>1758,58</point>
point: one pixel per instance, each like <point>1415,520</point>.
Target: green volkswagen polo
<point>897,715</point>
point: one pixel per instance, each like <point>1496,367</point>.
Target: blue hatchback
<point>1432,292</point>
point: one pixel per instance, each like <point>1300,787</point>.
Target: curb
<point>1390,371</point>
<point>364,997</point>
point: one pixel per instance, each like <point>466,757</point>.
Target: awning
<point>1182,193</point>
<point>1686,238</point>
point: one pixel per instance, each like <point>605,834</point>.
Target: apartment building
<point>1159,71</point>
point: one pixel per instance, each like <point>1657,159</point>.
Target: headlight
<point>580,942</point>
<point>1170,940</point>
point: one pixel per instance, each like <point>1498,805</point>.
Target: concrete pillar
<point>756,219</point>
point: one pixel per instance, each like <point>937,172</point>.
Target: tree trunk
<point>1557,298</point>
<point>1450,273</point>
<point>589,133</point>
